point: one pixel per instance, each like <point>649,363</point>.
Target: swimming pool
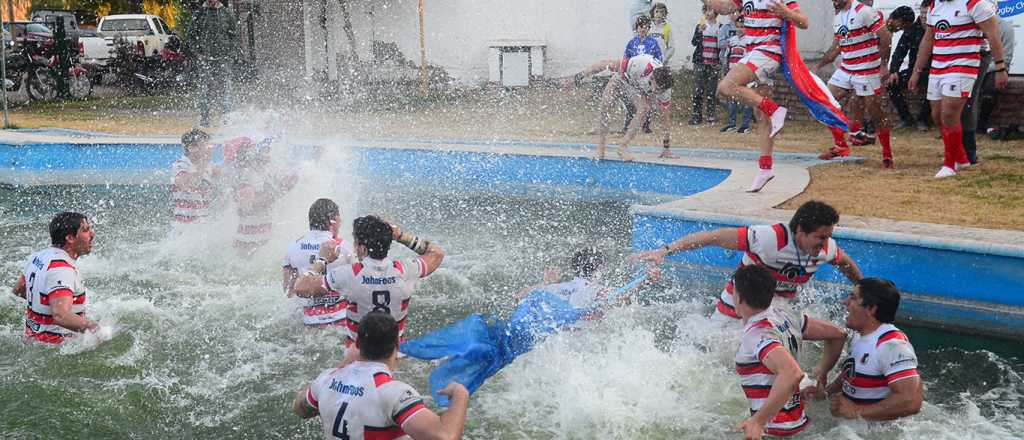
<point>208,346</point>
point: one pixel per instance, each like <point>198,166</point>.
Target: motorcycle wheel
<point>80,86</point>
<point>42,86</point>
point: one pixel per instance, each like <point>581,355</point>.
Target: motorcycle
<point>38,71</point>
<point>134,69</point>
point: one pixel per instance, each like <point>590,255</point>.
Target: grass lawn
<point>991,196</point>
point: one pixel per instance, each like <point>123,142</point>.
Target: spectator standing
<point>643,43</point>
<point>969,118</point>
<point>989,93</point>
<point>734,51</point>
<point>706,68</point>
<point>212,42</point>
<point>902,19</point>
<point>661,30</point>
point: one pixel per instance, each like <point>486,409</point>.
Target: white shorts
<point>862,85</point>
<point>763,65</point>
<point>952,87</point>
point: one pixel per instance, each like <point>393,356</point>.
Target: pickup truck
<point>95,49</point>
<point>150,30</point>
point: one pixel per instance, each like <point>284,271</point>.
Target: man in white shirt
<point>363,401</point>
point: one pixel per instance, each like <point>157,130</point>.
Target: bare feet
<point>667,154</point>
<point>624,155</point>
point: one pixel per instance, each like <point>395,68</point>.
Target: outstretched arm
<point>829,57</point>
<point>725,237</point>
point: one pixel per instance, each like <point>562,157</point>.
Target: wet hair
<point>64,224</point>
<point>585,262</point>
<point>640,21</point>
<point>193,139</point>
<point>374,233</point>
<point>663,76</point>
<point>754,285</point>
<point>882,294</point>
<point>904,14</point>
<point>321,212</point>
<point>657,6</point>
<point>812,215</point>
<point>377,336</point>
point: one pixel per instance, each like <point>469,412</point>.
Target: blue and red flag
<point>811,89</point>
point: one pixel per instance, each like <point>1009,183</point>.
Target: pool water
<point>207,346</point>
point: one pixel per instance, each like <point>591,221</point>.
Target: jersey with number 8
<point>363,402</point>
<point>376,285</point>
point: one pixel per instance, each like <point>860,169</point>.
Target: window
<point>126,24</point>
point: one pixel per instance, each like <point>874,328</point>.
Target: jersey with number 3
<point>51,273</point>
<point>363,402</point>
<point>376,285</point>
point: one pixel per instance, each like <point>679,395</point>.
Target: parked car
<point>149,30</point>
<point>29,31</point>
<point>49,17</point>
<point>96,50</point>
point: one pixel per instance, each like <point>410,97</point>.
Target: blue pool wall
<point>461,169</point>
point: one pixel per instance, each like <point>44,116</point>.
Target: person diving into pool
<point>478,346</point>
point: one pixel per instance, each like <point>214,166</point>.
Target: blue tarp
<point>478,346</point>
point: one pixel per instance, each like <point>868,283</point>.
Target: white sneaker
<point>945,172</point>
<point>762,179</point>
<point>778,120</point>
<point>962,166</point>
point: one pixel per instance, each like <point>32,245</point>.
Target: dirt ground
<point>991,196</point>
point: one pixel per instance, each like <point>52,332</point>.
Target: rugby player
<point>766,358</point>
<point>376,282</point>
<point>792,252</point>
<point>879,379</point>
<point>52,284</point>
<point>324,221</point>
<point>363,400</point>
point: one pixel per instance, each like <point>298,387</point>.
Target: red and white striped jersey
<point>363,402</point>
<point>877,360</point>
<point>51,273</point>
<point>956,51</point>
<point>710,43</point>
<point>855,30</point>
<point>764,332</point>
<point>255,226</point>
<point>330,308</point>
<point>737,50</point>
<point>376,285</point>
<point>772,247</point>
<point>638,74</point>
<point>190,204</point>
<point>762,28</point>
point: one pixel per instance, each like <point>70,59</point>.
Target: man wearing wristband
<point>376,282</point>
<point>957,29</point>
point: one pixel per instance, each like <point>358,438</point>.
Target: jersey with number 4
<point>376,285</point>
<point>363,402</point>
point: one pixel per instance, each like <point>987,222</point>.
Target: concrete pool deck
<point>963,278</point>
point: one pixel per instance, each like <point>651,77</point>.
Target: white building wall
<point>577,32</point>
